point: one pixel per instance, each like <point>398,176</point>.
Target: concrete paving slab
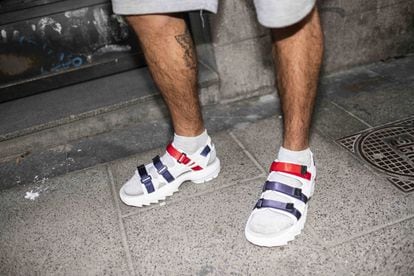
<point>386,104</point>
<point>71,228</point>
<point>349,197</point>
<point>388,251</point>
<point>235,168</point>
<point>334,121</point>
<point>397,69</point>
<point>347,84</point>
<point>374,98</point>
<point>119,143</point>
<point>204,235</point>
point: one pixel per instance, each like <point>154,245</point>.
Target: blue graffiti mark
<point>77,61</point>
<point>59,60</point>
<point>23,39</point>
<point>70,61</point>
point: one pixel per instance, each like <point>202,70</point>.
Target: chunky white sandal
<point>294,205</point>
<point>156,181</point>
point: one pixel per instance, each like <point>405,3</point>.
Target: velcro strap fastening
<point>295,169</point>
<point>287,207</point>
<point>162,169</point>
<point>285,189</point>
<point>146,179</point>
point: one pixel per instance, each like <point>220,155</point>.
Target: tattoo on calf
<point>186,43</point>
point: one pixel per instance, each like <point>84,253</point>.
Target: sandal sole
<point>279,239</point>
<point>198,177</point>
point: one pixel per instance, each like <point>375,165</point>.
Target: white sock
<point>302,157</point>
<point>190,144</point>
<point>187,144</point>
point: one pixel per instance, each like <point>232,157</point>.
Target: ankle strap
<point>182,158</point>
<point>290,168</point>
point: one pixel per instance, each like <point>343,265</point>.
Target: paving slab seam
<point>124,239</point>
<point>251,157</point>
<point>209,191</point>
<point>351,114</point>
<point>367,232</point>
<point>337,262</point>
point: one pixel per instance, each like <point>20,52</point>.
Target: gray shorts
<point>270,13</point>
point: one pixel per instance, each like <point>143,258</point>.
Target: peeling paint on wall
<point>48,21</point>
<point>3,35</point>
<point>101,19</point>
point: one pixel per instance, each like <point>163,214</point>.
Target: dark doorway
<point>45,44</point>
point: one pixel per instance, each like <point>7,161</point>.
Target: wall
<point>356,32</point>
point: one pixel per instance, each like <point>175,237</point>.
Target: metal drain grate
<point>389,149</point>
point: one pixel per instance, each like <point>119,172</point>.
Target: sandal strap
<point>162,169</point>
<point>290,168</point>
<point>146,179</point>
<point>285,189</point>
<point>286,207</point>
<point>205,151</point>
<point>181,157</point>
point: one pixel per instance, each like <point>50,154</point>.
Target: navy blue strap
<point>205,151</point>
<point>162,169</point>
<point>285,189</point>
<point>287,207</point>
<point>145,178</point>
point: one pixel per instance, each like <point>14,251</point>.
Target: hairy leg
<point>297,53</point>
<point>171,58</point>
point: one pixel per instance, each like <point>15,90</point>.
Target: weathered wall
<point>356,32</point>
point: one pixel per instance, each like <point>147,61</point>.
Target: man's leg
<point>297,54</point>
<point>171,58</point>
<point>280,214</point>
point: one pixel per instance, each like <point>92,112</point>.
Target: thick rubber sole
<point>198,177</point>
<point>279,239</point>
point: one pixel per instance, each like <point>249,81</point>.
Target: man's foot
<point>161,178</point>
<point>280,213</point>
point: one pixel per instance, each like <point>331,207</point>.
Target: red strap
<point>291,168</point>
<point>181,157</point>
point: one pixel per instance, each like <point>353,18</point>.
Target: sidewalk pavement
<point>358,223</point>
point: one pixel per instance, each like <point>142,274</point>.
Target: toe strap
<point>286,207</point>
<point>146,179</point>
<point>285,189</point>
<point>162,169</point>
